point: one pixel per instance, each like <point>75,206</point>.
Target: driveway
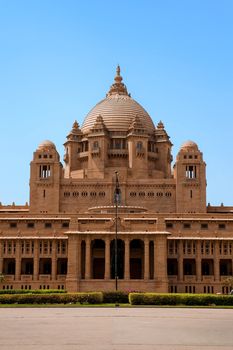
<point>118,329</point>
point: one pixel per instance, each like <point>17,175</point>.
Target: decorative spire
<point>118,88</point>
<point>75,131</point>
<point>118,77</point>
<point>75,125</point>
<point>75,128</point>
<point>160,125</point>
<point>99,125</point>
<point>136,126</point>
<point>161,133</point>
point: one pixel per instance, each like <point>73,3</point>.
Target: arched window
<point>139,146</point>
<point>95,145</point>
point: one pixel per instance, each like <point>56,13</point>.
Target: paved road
<point>116,329</point>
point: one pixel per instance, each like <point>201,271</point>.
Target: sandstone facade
<point>168,239</point>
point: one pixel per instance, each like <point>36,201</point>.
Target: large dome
<point>118,110</point>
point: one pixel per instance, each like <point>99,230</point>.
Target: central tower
<point>118,134</point>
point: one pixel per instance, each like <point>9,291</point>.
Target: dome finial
<point>118,88</point>
<point>118,78</point>
<point>118,70</point>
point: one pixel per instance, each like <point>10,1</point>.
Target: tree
<point>2,277</point>
<point>228,282</point>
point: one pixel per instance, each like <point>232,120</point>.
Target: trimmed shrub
<point>32,291</point>
<point>56,298</point>
<point>179,299</point>
<point>116,297</point>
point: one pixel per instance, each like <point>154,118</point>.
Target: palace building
<point>169,240</point>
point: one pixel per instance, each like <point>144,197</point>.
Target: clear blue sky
<point>58,59</point>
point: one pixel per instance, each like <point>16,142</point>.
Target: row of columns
<point>74,256</point>
<point>18,260</point>
<point>107,259</point>
<point>198,259</point>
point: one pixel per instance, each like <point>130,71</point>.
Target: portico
<point>141,257</point>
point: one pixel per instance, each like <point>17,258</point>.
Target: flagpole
<point>116,229</point>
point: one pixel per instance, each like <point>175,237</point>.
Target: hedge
<point>56,298</point>
<point>115,297</point>
<point>32,291</point>
<point>180,299</point>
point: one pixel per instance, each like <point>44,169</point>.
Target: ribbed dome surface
<point>118,112</point>
<point>189,145</point>
<point>46,144</point>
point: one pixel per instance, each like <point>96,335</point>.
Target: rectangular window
<point>63,247</point>
<point>191,172</point>
<point>221,226</point>
<point>186,225</point>
<point>207,247</point>
<point>189,247</point>
<point>44,171</point>
<point>13,224</point>
<point>9,250</point>
<point>225,250</point>
<point>30,224</point>
<point>48,225</point>
<point>65,224</point>
<point>117,144</point>
<point>169,225</point>
<point>204,226</point>
<point>170,248</point>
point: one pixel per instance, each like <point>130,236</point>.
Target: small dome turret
<point>189,145</point>
<point>46,144</point>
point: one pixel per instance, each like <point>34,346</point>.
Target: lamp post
<point>116,199</point>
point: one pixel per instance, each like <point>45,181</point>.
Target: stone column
<point>79,242</point>
<point>160,263</point>
<point>180,261</point>
<point>107,259</point>
<point>36,260</point>
<point>216,262</point>
<point>54,260</point>
<point>146,259</point>
<point>198,261</point>
<point>72,273</point>
<point>18,260</point>
<point>1,256</point>
<point>88,259</point>
<point>127,259</point>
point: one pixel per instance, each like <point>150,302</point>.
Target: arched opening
<point>207,267</point>
<point>120,258</point>
<point>189,266</point>
<point>27,266</point>
<point>98,258</point>
<point>136,259</point>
